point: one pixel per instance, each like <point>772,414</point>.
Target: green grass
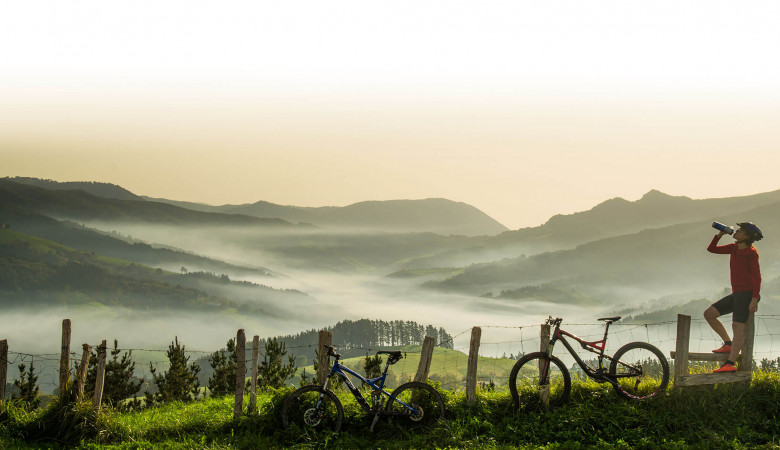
<point>724,416</point>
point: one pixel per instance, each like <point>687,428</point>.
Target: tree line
<point>366,333</point>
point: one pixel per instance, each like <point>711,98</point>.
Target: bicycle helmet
<point>752,230</point>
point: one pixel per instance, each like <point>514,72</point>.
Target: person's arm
<point>755,279</point>
<point>713,247</point>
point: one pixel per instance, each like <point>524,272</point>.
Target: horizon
<point>522,111</point>
<point>150,197</point>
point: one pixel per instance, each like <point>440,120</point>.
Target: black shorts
<point>738,303</point>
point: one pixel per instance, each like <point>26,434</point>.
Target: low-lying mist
<point>338,278</point>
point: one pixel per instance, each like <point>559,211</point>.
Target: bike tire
<point>651,379</point>
<point>525,380</point>
<point>421,396</point>
<point>300,410</point>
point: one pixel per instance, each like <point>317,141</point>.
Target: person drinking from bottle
<point>745,286</point>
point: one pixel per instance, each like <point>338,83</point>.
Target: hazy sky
<point>522,109</point>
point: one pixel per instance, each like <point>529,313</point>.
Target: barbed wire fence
<point>499,347</point>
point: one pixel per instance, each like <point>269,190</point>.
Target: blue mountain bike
<point>315,407</point>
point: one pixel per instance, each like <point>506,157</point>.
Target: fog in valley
<point>314,278</point>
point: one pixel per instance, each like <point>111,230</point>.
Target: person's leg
<point>741,314</point>
<point>738,341</point>
<point>712,314</point>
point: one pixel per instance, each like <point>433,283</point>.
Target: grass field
<point>724,416</point>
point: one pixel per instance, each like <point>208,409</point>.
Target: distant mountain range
<point>615,217</point>
<point>435,215</point>
<point>69,200</point>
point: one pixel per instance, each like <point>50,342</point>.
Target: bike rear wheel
<point>427,403</point>
<point>536,376</point>
<point>312,408</point>
<point>640,370</point>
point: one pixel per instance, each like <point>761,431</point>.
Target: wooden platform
<point>712,357</point>
<point>712,378</point>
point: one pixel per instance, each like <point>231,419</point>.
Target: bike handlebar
<point>332,351</point>
<point>553,322</point>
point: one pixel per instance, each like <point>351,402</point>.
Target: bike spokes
<point>540,382</point>
<point>639,372</point>
<point>423,405</point>
<point>312,409</point>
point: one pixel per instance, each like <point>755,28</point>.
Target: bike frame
<point>600,374</point>
<point>377,384</point>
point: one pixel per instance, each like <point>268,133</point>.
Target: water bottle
<point>720,227</point>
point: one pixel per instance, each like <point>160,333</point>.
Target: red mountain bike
<point>638,370</point>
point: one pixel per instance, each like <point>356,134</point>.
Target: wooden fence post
<point>65,357</point>
<point>101,374</point>
<point>471,370</point>
<point>426,355</point>
<point>544,345</point>
<point>82,374</point>
<point>240,373</point>
<point>682,347</point>
<point>255,355</point>
<point>326,338</point>
<point>746,364</point>
<point>3,368</point>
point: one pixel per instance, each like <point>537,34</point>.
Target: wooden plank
<point>3,368</point>
<point>711,357</point>
<point>65,357</point>
<point>426,356</point>
<point>682,345</point>
<point>746,364</point>
<point>240,373</point>
<point>471,370</point>
<point>323,361</point>
<point>255,357</point>
<point>712,378</point>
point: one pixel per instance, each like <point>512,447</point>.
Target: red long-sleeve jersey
<point>745,272</point>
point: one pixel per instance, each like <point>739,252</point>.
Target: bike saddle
<point>395,355</point>
<point>610,319</point>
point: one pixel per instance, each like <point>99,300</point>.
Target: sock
<point>727,342</point>
<point>730,362</point>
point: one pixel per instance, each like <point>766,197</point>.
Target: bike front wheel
<point>312,408</point>
<point>640,371</point>
<point>424,405</point>
<point>541,380</point>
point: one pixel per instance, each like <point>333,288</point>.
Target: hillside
<point>37,272</point>
<point>121,247</point>
<point>79,205</point>
<point>98,189</point>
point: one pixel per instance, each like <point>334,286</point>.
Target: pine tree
<point>179,383</point>
<point>272,371</point>
<point>373,366</point>
<point>28,387</point>
<point>223,379</point>
<point>120,382</point>
<point>307,379</point>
